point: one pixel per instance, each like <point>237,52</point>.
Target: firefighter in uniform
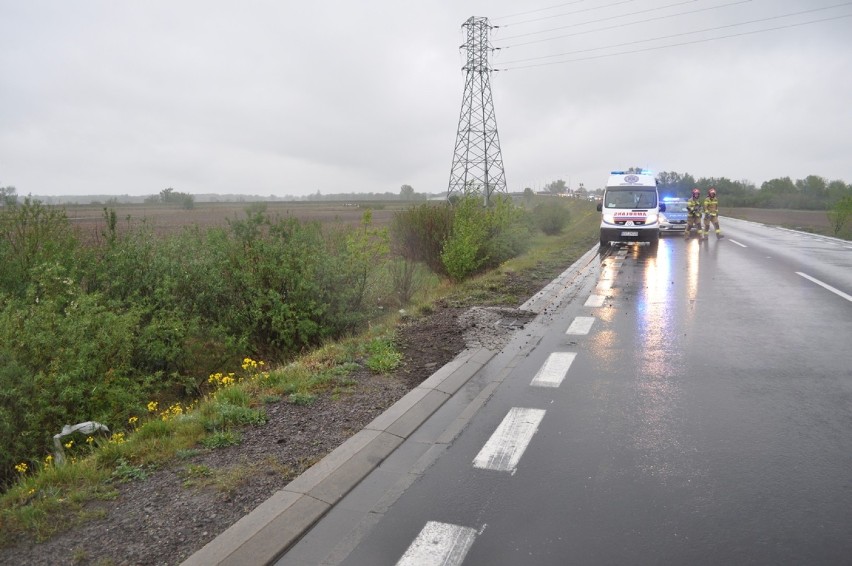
<point>711,213</point>
<point>693,214</point>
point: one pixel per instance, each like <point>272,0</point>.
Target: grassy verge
<point>54,497</point>
<point>812,221</point>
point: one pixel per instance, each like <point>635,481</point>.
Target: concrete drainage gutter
<point>268,531</point>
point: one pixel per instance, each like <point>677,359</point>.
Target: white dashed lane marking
<point>446,544</point>
<point>504,449</point>
<point>554,370</point>
<point>581,325</point>
<point>439,544</point>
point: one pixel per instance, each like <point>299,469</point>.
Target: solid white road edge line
<point>439,544</point>
<point>837,292</point>
<point>554,369</point>
<point>504,449</point>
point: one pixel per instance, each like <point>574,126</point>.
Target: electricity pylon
<point>477,162</point>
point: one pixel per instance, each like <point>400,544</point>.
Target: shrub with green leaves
<point>32,235</point>
<point>94,332</point>
<point>551,218</point>
<point>509,231</point>
<point>65,359</point>
<point>840,214</point>
<point>464,250</point>
<point>484,237</point>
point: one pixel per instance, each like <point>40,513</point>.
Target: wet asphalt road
<point>704,416</point>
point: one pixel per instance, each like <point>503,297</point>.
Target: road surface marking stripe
<point>581,325</point>
<point>439,544</point>
<point>594,301</point>
<point>504,449</point>
<point>554,369</point>
<point>826,286</point>
<point>737,243</point>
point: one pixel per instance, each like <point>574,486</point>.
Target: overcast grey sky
<point>293,97</point>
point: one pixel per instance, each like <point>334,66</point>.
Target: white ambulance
<point>630,208</point>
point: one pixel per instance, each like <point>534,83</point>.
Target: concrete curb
<point>555,291</point>
<point>263,535</point>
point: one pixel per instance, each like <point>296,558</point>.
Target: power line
<point>615,26</point>
<point>677,34</point>
<point>539,10</point>
<point>678,44</point>
<point>572,13</point>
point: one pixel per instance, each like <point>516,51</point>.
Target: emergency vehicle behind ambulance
<point>630,208</point>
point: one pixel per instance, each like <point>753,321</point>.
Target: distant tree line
<point>811,193</point>
<point>171,196</point>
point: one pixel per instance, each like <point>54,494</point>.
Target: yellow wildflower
<point>22,468</point>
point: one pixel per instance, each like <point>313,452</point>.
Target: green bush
<point>509,232</point>
<point>93,333</point>
<point>551,218</point>
<point>31,235</point>
<point>66,358</point>
<point>840,214</point>
<point>96,331</point>
<point>463,252</point>
<point>484,237</point>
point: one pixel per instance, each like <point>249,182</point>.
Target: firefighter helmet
<point>696,193</point>
<point>711,193</point>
